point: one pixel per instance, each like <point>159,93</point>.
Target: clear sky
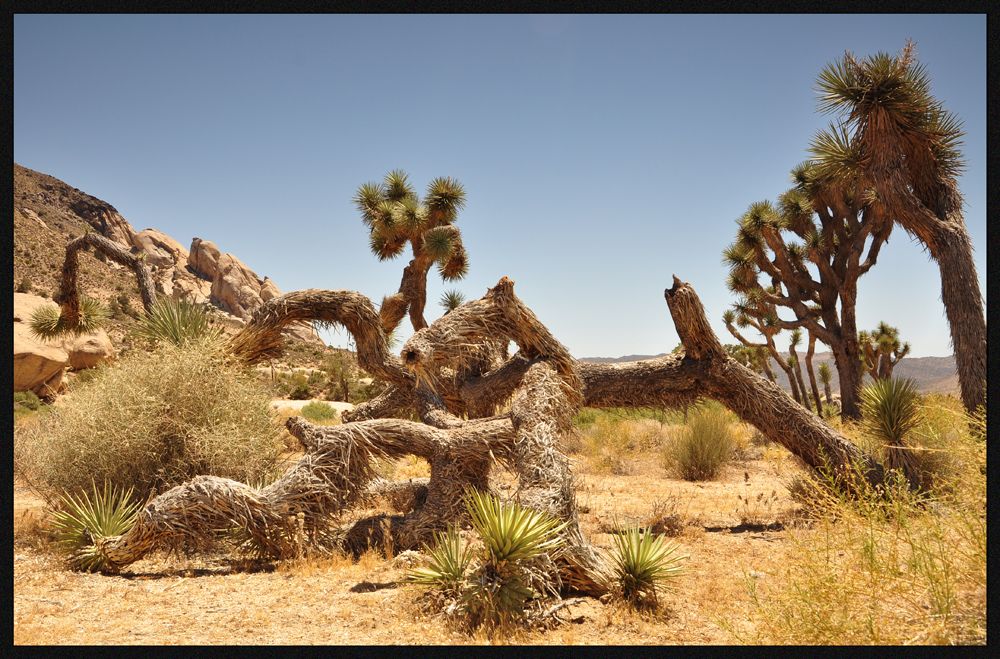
<point>600,154</point>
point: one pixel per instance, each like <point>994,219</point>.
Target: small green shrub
<point>700,448</point>
<point>153,421</point>
<point>449,565</point>
<point>890,410</point>
<point>300,392</point>
<point>317,411</point>
<point>25,285</point>
<point>47,322</point>
<point>27,399</point>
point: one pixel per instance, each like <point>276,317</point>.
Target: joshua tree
<point>825,376</point>
<point>842,230</point>
<point>543,386</point>
<point>905,145</point>
<point>395,217</point>
<point>881,350</point>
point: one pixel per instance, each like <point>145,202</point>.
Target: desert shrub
<point>612,444</point>
<point>26,399</point>
<point>698,449</point>
<point>300,391</point>
<point>317,411</point>
<point>153,421</point>
<point>890,411</point>
<point>24,286</point>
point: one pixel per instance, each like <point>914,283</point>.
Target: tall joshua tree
<point>396,217</point>
<point>907,146</point>
<point>881,350</point>
<point>765,321</point>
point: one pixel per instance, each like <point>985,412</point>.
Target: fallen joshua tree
<point>456,376</point>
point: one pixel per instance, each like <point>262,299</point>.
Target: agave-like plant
<point>176,321</point>
<point>512,535</point>
<point>645,564</point>
<point>47,323</point>
<point>451,300</point>
<point>449,565</point>
<point>83,519</point>
<point>890,411</point>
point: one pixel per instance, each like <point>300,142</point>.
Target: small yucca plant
<point>890,410</point>
<point>47,323</point>
<point>644,564</point>
<point>511,535</point>
<point>82,520</point>
<point>449,565</point>
<point>175,321</point>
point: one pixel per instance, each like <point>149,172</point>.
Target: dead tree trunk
<point>547,386</point>
<point>68,296</point>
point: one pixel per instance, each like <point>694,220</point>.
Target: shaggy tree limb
<point>69,296</point>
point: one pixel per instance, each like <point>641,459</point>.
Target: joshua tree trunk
<point>69,297</point>
<point>547,386</point>
<point>812,374</point>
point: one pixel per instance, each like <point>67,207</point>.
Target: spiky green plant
<point>449,565</point>
<point>48,323</point>
<point>512,535</point>
<point>890,411</point>
<point>175,321</point>
<point>645,564</point>
<point>84,519</point>
<point>451,300</point>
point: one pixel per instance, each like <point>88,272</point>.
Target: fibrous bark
<point>69,298</point>
<point>548,386</point>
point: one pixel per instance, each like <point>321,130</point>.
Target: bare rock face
<point>236,287</point>
<point>268,289</point>
<point>105,219</point>
<point>162,251</point>
<point>39,366</point>
<point>204,257</point>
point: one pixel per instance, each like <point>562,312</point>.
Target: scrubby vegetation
<point>153,421</point>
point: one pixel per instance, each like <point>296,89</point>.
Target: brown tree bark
<point>548,387</point>
<point>69,298</point>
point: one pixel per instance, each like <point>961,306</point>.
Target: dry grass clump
<point>892,566</point>
<point>614,445</point>
<point>152,421</point>
<point>698,449</point>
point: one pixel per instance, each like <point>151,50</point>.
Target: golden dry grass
<point>740,586</point>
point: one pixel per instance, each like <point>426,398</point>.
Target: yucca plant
<point>175,321</point>
<point>645,564</point>
<point>890,411</point>
<point>512,535</point>
<point>48,322</point>
<point>449,565</point>
<point>83,519</point>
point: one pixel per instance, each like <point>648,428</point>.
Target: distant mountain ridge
<point>932,375</point>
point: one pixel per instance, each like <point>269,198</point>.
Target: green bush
<point>153,421</point>
<point>26,399</point>
<point>301,392</point>
<point>700,448</point>
<point>175,321</point>
<point>317,411</point>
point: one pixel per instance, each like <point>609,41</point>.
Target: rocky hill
<point>48,213</point>
<point>932,375</point>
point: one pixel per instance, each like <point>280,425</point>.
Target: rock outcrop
<point>40,366</point>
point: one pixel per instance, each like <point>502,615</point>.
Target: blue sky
<point>600,154</point>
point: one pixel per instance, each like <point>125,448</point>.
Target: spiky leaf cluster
<point>48,323</point>
<point>176,322</point>
<point>395,217</point>
<point>85,518</point>
<point>449,565</point>
<point>645,564</point>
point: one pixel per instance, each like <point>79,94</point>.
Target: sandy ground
<point>214,599</point>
